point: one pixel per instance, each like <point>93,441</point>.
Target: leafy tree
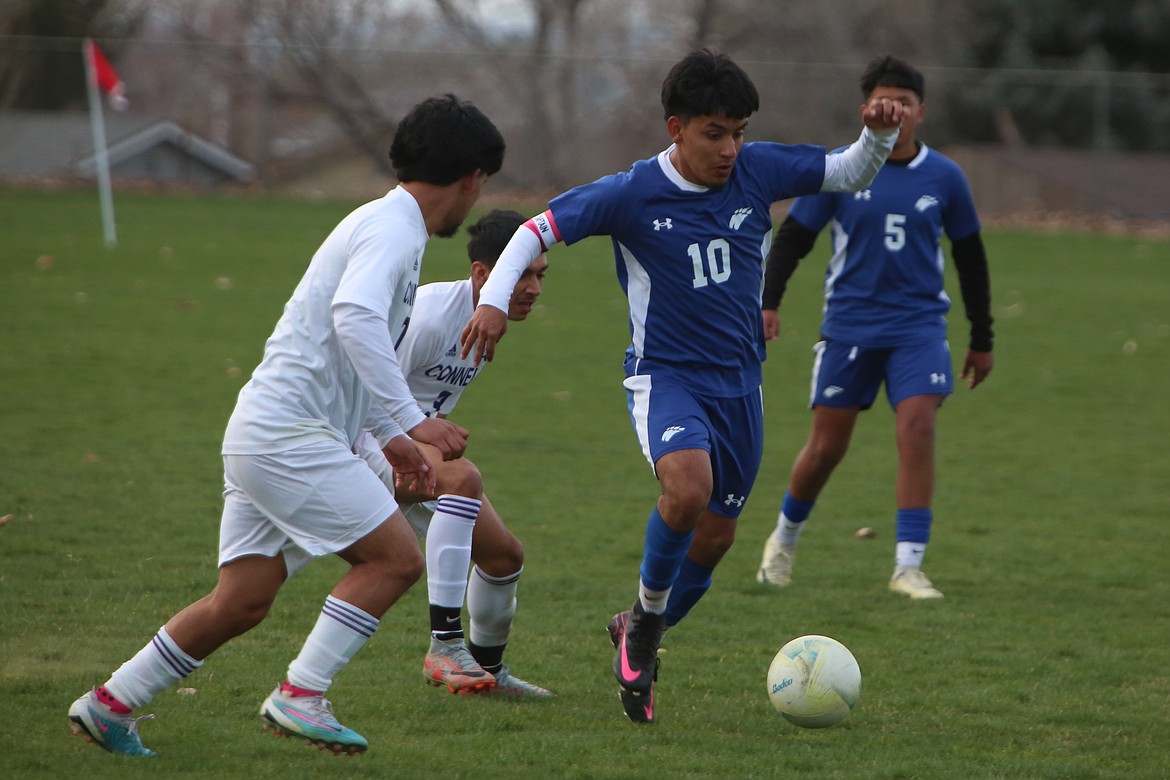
<point>1068,72</point>
<point>41,74</point>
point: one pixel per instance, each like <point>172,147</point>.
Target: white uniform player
<point>294,488</point>
<point>435,376</point>
<point>305,404</point>
<point>430,358</point>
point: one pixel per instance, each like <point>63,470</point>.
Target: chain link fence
<point>317,121</point>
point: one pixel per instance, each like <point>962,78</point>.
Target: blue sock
<point>693,581</point>
<point>795,510</point>
<point>914,525</point>
<point>663,554</point>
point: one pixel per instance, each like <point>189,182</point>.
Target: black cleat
<point>635,663</point>
<point>639,705</point>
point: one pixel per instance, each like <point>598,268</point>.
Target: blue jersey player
<point>884,321</point>
<point>690,229</point>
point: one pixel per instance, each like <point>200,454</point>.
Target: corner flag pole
<point>97,125</point>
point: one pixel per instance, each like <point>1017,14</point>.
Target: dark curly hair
<point>889,71</point>
<point>442,140</point>
<point>491,234</point>
<point>707,83</point>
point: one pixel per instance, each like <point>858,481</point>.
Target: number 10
<point>718,262</point>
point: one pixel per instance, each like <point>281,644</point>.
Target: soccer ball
<point>814,681</point>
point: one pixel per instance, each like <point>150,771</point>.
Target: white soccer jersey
<point>307,387</point>
<point>429,353</point>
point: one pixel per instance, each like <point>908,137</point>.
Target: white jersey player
<point>294,488</point>
<point>462,526</point>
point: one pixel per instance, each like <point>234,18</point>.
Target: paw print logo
<point>739,216</point>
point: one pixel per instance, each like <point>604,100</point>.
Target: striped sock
<point>156,667</point>
<point>448,551</point>
<point>340,632</point>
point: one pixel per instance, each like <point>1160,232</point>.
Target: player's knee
<point>461,477</point>
<point>916,432</point>
<point>406,569</point>
<point>238,615</point>
<point>827,454</point>
<point>713,543</point>
<point>505,560</point>
<point>685,500</point>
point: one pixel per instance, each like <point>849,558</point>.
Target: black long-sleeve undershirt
<point>975,286</point>
<point>792,243</point>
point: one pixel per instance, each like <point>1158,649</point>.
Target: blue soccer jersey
<point>884,284</point>
<point>691,259</point>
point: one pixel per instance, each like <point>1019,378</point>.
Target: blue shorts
<point>846,376</point>
<point>668,417</point>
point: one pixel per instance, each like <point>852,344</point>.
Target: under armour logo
<point>734,500</point>
<point>938,379</point>
<point>664,223</point>
<point>863,195</point>
<point>669,433</point>
<point>738,217</point>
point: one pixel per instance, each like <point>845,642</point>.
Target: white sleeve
<point>381,426</point>
<point>526,245</point>
<point>365,337</point>
<point>854,167</point>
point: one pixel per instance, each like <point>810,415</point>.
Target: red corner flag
<point>108,80</point>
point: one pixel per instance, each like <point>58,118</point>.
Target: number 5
<point>895,231</point>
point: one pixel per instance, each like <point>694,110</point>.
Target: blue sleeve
<point>785,170</point>
<point>960,219</point>
<point>595,209</point>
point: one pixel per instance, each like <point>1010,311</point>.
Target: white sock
<point>788,532</point>
<point>653,601</point>
<point>340,632</point>
<point>449,550</point>
<point>909,555</point>
<point>156,667</point>
<point>491,605</point>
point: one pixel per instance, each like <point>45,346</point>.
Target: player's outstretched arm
<point>855,167</point>
<point>490,320</point>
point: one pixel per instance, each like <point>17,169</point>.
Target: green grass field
<point>1048,658</point>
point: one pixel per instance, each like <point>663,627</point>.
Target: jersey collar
<point>920,157</point>
<point>675,177</point>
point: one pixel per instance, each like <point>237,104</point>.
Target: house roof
<point>42,144</point>
<point>167,131</point>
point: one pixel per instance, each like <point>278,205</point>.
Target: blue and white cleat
<point>98,725</point>
<point>310,718</point>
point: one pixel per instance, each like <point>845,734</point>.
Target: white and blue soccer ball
<point>814,681</point>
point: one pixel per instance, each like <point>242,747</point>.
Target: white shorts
<point>418,515</point>
<point>310,501</point>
